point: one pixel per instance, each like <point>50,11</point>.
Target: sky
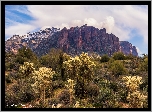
<point>127,22</point>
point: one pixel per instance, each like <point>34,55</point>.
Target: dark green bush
<point>144,85</point>
<point>105,98</point>
<point>118,56</point>
<point>26,97</point>
<point>105,58</point>
<point>117,68</point>
<point>9,66</point>
<point>144,64</point>
<point>57,84</point>
<point>80,90</point>
<point>114,86</point>
<point>53,59</point>
<point>92,90</point>
<point>64,97</point>
<point>129,57</point>
<point>8,78</point>
<point>11,100</point>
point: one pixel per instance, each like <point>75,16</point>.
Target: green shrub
<point>105,58</point>
<point>118,56</point>
<point>9,66</point>
<point>11,100</point>
<point>111,60</point>
<point>144,85</point>
<point>105,98</point>
<point>56,77</point>
<point>113,86</point>
<point>26,97</point>
<point>92,90</point>
<point>117,68</point>
<point>144,64</point>
<point>64,97</point>
<point>8,78</point>
<point>57,84</point>
<point>23,91</point>
<point>53,59</point>
<point>129,57</point>
<point>79,90</point>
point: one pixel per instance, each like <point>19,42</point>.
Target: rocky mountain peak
<point>128,48</point>
<point>72,41</point>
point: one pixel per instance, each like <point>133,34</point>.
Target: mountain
<point>127,48</point>
<point>72,41</point>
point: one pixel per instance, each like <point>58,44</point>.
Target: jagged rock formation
<point>78,39</point>
<point>127,48</point>
<point>72,41</point>
<point>31,40</point>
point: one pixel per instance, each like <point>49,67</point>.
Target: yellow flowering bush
<point>83,104</point>
<point>42,77</point>
<point>26,69</point>
<point>77,104</point>
<point>132,82</point>
<point>70,86</point>
<point>79,64</point>
<point>66,56</point>
<point>136,98</point>
<point>80,68</point>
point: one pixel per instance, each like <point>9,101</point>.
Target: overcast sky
<point>128,22</point>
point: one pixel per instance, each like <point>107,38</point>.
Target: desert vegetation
<point>58,80</point>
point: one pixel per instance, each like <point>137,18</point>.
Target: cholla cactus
<point>79,64</point>
<point>66,56</point>
<point>43,74</point>
<point>135,97</point>
<point>72,62</point>
<point>43,79</point>
<point>80,68</point>
<point>83,104</point>
<point>70,84</point>
<point>132,82</point>
<point>77,104</point>
<point>27,68</point>
<point>57,106</point>
<point>86,60</point>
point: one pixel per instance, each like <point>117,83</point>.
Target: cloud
<point>133,17</point>
<point>108,23</point>
<point>139,52</point>
<point>121,33</point>
<point>90,22</point>
<point>19,29</point>
<point>44,27</point>
<point>76,23</point>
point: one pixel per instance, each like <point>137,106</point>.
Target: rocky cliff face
<point>31,40</point>
<point>78,39</point>
<point>72,41</point>
<point>127,48</point>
